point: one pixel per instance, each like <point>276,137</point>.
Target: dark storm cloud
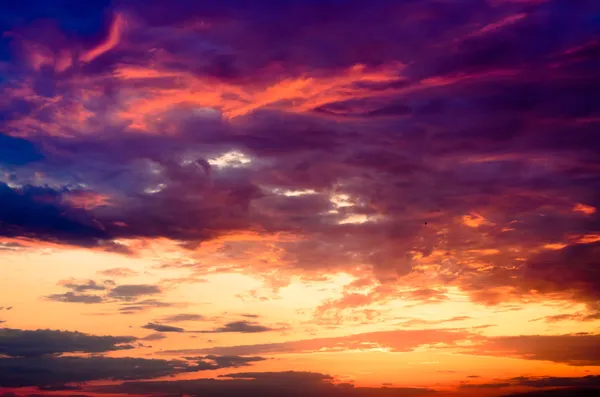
<point>268,384</point>
<point>459,108</point>
<point>40,211</point>
<point>28,344</point>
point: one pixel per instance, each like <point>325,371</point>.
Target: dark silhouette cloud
<point>567,392</point>
<point>42,212</point>
<point>27,344</point>
<point>145,304</point>
<point>243,327</point>
<point>162,328</point>
<point>182,317</point>
<point>541,382</point>
<point>133,291</point>
<point>74,297</point>
<point>155,336</point>
<point>576,349</point>
<point>47,372</point>
<point>118,272</point>
<point>268,384</point>
<point>89,285</point>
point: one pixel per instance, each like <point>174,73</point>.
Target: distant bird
<point>426,223</point>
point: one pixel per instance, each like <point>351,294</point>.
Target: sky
<point>316,198</point>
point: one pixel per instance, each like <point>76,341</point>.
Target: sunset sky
<point>308,198</point>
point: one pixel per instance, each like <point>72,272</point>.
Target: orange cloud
<point>298,94</point>
<point>584,209</point>
<point>113,39</point>
<point>473,220</point>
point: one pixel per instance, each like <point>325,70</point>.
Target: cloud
<point>244,327</point>
<point>562,392</point>
<point>182,317</point>
<point>142,305</point>
<point>73,297</point>
<point>46,372</point>
<point>89,285</point>
<point>112,40</point>
<point>128,295</point>
<point>284,110</point>
<point>118,272</point>
<point>268,384</point>
<point>27,344</point>
<point>398,341</point>
<point>546,271</point>
<point>41,212</point>
<point>154,337</point>
<point>162,328</point>
<point>133,291</point>
<point>418,321</point>
<point>576,349</point>
<point>227,361</point>
<point>590,316</point>
<point>540,382</point>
